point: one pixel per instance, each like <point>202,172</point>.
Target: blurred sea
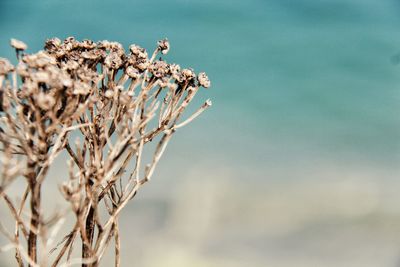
<point>296,163</point>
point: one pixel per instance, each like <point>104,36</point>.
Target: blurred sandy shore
<point>220,220</point>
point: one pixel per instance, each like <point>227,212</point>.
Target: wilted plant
<point>113,104</point>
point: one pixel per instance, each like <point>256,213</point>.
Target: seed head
<point>5,66</point>
<point>113,61</point>
<point>188,74</point>
<point>39,60</point>
<point>163,46</point>
<point>87,44</point>
<point>137,50</point>
<point>203,80</point>
<point>52,45</point>
<point>70,43</point>
<point>159,68</point>
<point>18,45</point>
<point>117,48</point>
<point>93,54</point>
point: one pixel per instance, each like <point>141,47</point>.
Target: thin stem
<point>35,215</point>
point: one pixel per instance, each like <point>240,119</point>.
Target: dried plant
<point>114,105</point>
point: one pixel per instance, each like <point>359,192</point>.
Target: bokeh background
<point>297,161</point>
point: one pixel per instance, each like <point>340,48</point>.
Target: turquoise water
<point>300,88</point>
<point>310,74</point>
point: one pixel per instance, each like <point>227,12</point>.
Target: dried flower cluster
<point>114,103</point>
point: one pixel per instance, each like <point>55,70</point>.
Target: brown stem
<point>35,218</point>
<point>117,246</point>
<point>86,248</point>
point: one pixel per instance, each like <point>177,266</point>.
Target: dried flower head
<point>39,60</point>
<point>115,103</point>
<point>137,50</point>
<point>18,45</point>
<point>175,70</point>
<point>203,80</point>
<point>188,74</point>
<point>113,60</point>
<point>163,46</point>
<point>159,68</point>
<point>53,44</point>
<point>69,44</point>
<point>5,66</point>
<point>87,44</point>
